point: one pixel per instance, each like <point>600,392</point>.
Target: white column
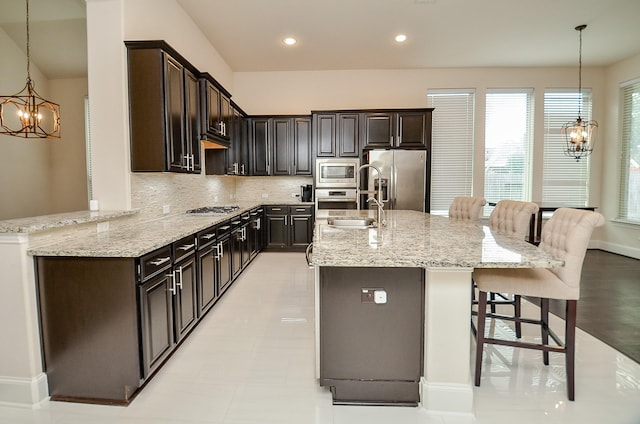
<point>446,385</point>
<point>22,380</point>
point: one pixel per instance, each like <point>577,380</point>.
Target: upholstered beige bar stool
<point>565,236</point>
<point>466,208</point>
<point>511,217</point>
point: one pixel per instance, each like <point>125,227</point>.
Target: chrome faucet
<point>378,200</point>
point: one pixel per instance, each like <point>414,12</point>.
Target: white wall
<point>616,237</point>
<point>24,186</point>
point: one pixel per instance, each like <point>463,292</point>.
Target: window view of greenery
<point>508,132</point>
<point>630,178</point>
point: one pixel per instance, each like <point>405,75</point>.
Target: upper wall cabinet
<point>216,111</point>
<point>163,109</point>
<point>404,129</point>
<point>336,134</point>
<point>281,145</point>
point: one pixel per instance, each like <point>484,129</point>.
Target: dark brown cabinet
<point>281,145</point>
<point>405,129</point>
<point>289,227</point>
<point>164,109</point>
<point>336,134</point>
<point>215,110</point>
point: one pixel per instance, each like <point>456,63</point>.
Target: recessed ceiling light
<point>401,38</point>
<point>289,41</point>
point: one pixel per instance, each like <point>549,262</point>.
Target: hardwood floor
<point>609,305</point>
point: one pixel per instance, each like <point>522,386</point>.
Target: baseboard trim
<point>446,397</point>
<point>23,392</point>
<point>632,252</point>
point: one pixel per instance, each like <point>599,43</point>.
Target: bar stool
<point>466,208</point>
<point>565,236</point>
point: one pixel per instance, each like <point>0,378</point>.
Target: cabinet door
<point>212,109</point>
<point>208,270</point>
<point>186,309</point>
<point>348,135</point>
<point>174,88</point>
<point>301,229</point>
<point>325,134</point>
<point>238,152</point>
<point>225,116</point>
<point>302,152</point>
<point>378,130</point>
<point>282,136</point>
<point>225,274</point>
<point>413,130</point>
<point>236,251</point>
<point>156,311</point>
<point>192,122</point>
<point>277,231</point>
<point>260,137</point>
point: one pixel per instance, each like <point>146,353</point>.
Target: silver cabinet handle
<point>208,236</point>
<point>160,261</point>
<point>179,280</point>
<point>219,251</point>
<point>307,254</point>
<point>242,169</point>
<point>186,246</point>
<point>172,289</point>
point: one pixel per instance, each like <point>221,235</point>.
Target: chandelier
<point>580,135</point>
<point>26,114</point>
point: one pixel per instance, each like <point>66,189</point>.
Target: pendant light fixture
<point>26,114</point>
<point>580,135</point>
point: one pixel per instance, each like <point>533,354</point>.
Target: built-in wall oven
<point>336,182</point>
<point>336,198</point>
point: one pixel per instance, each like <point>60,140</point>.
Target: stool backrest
<point>466,208</point>
<point>566,236</point>
<point>512,216</point>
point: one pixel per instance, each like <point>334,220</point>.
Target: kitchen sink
<point>351,222</point>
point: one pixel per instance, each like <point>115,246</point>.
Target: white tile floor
<point>251,360</point>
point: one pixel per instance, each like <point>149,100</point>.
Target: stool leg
<point>570,346</point>
<point>544,327</point>
<point>482,313</point>
<point>517,309</point>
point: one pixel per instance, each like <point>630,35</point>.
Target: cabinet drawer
<point>223,229</point>
<point>277,210</point>
<point>301,210</point>
<point>184,247</point>
<point>155,262</point>
<point>206,237</point>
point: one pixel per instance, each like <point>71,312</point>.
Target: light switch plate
<point>380,296</point>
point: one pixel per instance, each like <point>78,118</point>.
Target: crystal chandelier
<point>580,135</point>
<point>26,114</point>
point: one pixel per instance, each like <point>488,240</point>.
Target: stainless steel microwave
<point>337,172</point>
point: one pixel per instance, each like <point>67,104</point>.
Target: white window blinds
<point>452,146</point>
<point>629,196</point>
<point>508,135</point>
<point>564,180</point>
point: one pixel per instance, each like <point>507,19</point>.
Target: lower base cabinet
<point>289,227</point>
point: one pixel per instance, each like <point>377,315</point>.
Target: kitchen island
<point>447,251</point>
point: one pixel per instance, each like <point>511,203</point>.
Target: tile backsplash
<point>151,192</point>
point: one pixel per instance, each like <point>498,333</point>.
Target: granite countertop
<point>142,237</point>
<point>46,222</point>
<point>416,239</point>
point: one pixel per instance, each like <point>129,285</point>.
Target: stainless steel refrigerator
<point>405,178</point>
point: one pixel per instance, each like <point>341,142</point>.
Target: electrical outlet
<point>101,227</point>
<point>294,195</point>
<point>265,195</point>
<point>166,208</point>
<point>215,198</point>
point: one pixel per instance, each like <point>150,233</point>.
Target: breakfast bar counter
<point>447,251</point>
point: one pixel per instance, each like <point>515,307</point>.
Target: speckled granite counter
<point>47,222</point>
<point>415,239</point>
<point>143,237</point>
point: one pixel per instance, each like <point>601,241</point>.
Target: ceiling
<point>358,34</point>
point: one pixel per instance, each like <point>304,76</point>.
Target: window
<point>452,146</point>
<point>564,180</point>
<point>508,138</point>
<point>629,196</point>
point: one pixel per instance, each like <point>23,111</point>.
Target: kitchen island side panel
<point>90,333</point>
